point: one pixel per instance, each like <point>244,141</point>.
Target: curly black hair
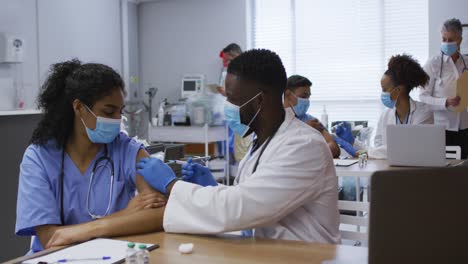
<point>406,71</point>
<point>66,82</point>
<point>296,81</point>
<point>261,66</point>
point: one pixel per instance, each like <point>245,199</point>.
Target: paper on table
<point>97,248</point>
<point>344,163</point>
<point>462,91</point>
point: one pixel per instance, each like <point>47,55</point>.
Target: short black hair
<point>232,48</point>
<point>296,81</point>
<point>406,71</point>
<point>66,82</point>
<point>262,66</point>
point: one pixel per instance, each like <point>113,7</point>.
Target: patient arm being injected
<point>334,148</point>
<point>144,213</point>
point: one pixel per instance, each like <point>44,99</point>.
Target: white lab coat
<point>292,195</point>
<point>436,92</point>
<point>420,113</point>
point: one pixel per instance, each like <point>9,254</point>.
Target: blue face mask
<point>233,119</point>
<point>302,106</point>
<point>449,48</point>
<point>387,100</point>
<point>106,130</point>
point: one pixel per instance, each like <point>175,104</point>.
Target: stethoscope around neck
<point>95,166</point>
<point>408,118</point>
<point>442,64</point>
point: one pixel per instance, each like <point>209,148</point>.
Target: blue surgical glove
<point>198,174</point>
<point>156,173</point>
<point>344,131</point>
<point>345,145</point>
<point>247,233</point>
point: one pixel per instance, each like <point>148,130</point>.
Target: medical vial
<point>361,160</point>
<point>131,257</point>
<point>143,255</point>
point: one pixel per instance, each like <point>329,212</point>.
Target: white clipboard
<point>94,249</point>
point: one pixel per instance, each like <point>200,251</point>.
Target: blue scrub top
<point>39,191</point>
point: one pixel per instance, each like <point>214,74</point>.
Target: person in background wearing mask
<point>229,53</point>
<point>78,177</point>
<point>286,186</point>
<point>402,76</point>
<point>440,93</point>
<point>240,145</point>
<point>297,96</point>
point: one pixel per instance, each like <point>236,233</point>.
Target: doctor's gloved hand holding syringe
<point>197,174</point>
<point>159,175</point>
<point>345,139</point>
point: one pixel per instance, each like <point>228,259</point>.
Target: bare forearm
<point>45,232</point>
<point>118,214</point>
<point>334,148</point>
<point>145,221</point>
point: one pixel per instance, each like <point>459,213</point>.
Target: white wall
<point>439,11</point>
<point>183,36</point>
<point>19,17</point>
<point>87,29</point>
<point>175,37</point>
<point>133,53</point>
<point>58,30</point>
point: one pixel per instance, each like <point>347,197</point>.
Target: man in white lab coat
<point>286,187</point>
<point>440,93</point>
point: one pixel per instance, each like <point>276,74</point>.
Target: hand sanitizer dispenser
<point>11,48</point>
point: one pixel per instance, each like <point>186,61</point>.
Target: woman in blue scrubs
<point>78,177</point>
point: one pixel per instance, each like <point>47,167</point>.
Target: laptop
<point>419,216</point>
<point>416,145</point>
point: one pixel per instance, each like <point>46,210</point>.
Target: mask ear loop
<point>291,106</point>
<point>251,121</point>
<point>251,99</point>
<point>89,110</point>
<point>255,116</point>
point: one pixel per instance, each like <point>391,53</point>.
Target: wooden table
<point>234,249</point>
